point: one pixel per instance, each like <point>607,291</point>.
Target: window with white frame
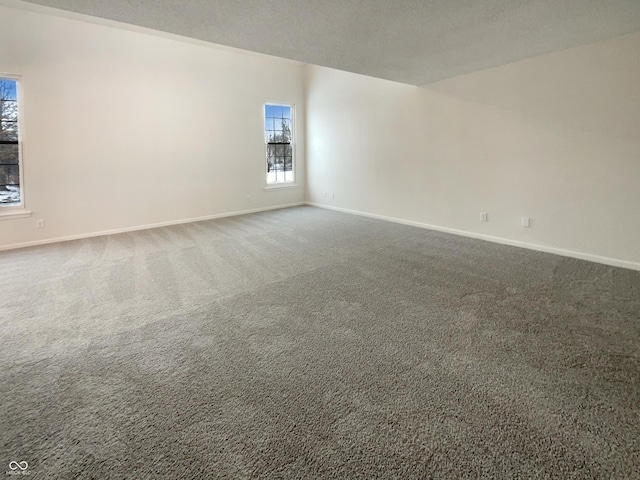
<point>278,136</point>
<point>10,178</point>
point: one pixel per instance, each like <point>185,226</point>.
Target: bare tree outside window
<point>279,140</point>
<point>9,148</point>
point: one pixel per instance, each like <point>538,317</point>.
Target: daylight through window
<point>279,141</point>
<point>10,191</point>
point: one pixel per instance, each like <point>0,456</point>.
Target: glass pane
<point>9,175</point>
<point>269,135</point>
<point>9,107</point>
<point>8,89</point>
<point>9,195</point>
<point>8,154</point>
<point>273,110</point>
<point>8,110</point>
<point>8,130</point>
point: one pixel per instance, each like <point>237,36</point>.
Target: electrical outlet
<point>40,223</point>
<point>483,216</point>
<point>526,222</point>
<point>248,198</point>
<point>333,195</point>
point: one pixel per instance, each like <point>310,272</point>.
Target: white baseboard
<point>144,227</point>
<point>504,241</point>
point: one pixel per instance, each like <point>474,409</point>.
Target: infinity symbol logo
<point>13,465</point>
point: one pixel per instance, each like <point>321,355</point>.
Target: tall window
<point>278,136</point>
<point>10,191</point>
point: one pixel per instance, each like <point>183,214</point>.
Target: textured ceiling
<point>409,41</point>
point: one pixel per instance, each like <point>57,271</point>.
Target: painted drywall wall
<point>127,128</point>
<point>555,138</point>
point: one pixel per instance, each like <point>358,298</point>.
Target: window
<point>278,136</point>
<point>10,190</point>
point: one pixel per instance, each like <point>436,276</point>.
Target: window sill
<point>15,213</point>
<point>281,186</point>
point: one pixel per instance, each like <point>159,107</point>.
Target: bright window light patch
<point>10,189</point>
<point>278,137</point>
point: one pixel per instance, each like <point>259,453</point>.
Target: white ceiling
<point>409,41</point>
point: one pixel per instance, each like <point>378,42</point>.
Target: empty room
<point>320,239</point>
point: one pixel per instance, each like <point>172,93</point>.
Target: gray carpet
<point>305,343</point>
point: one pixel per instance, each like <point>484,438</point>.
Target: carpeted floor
<point>306,343</point>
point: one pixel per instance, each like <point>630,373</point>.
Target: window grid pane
<point>278,137</point>
<point>10,191</point>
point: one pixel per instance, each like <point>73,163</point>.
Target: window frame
<point>283,184</point>
<point>17,210</point>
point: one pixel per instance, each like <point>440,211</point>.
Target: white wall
<point>124,128</point>
<point>555,138</point>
